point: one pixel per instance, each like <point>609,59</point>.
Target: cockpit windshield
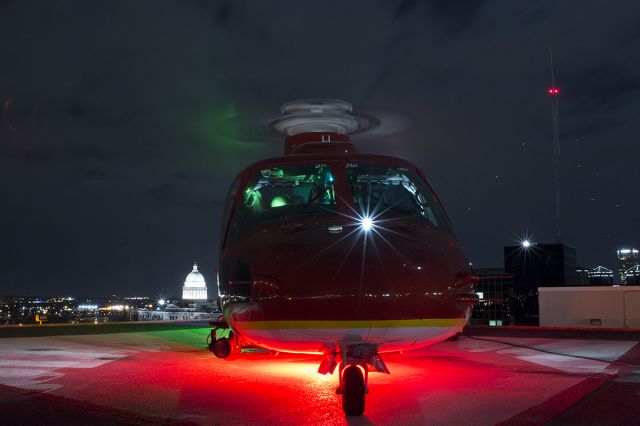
<point>284,193</point>
<point>393,191</point>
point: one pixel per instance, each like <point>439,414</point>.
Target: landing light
<point>366,223</point>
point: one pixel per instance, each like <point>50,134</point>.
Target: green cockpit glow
<point>278,202</point>
<point>285,194</point>
<point>253,200</point>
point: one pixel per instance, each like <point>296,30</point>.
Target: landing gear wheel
<point>353,391</point>
<point>222,348</point>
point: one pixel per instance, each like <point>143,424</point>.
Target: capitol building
<point>195,287</point>
<point>194,306</point>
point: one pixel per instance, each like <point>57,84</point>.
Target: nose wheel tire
<point>221,348</point>
<point>353,391</point>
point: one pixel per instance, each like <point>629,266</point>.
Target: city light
<point>526,244</point>
<point>627,251</point>
<point>87,307</point>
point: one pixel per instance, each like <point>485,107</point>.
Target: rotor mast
<point>317,120</point>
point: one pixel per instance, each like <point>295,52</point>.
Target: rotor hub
<point>318,115</point>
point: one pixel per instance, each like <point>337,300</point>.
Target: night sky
<point>124,123</point>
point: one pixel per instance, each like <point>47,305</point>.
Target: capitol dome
<point>195,287</point>
<point>195,278</point>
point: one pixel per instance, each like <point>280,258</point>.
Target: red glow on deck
<point>170,378</point>
<point>244,385</point>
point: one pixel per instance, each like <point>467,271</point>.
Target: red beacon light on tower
<point>553,91</point>
<point>328,251</point>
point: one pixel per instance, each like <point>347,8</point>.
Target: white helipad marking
<point>29,378</point>
<point>567,364</point>
<point>565,356</point>
<point>600,350</point>
<point>471,345</point>
<point>32,363</point>
<point>82,363</point>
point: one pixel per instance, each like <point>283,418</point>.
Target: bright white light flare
<point>366,223</point>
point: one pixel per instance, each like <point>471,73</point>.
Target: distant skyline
<point>118,142</point>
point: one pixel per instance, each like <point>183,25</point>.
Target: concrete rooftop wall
<point>606,307</point>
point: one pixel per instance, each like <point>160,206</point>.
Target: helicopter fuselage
<point>331,248</point>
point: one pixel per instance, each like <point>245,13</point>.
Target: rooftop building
<point>541,265</point>
<point>627,259</point>
<point>600,276</point>
<point>536,265</point>
<point>583,275</point>
<point>494,290</point>
<point>171,312</point>
<point>632,275</point>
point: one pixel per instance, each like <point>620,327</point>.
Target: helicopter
<point>328,251</point>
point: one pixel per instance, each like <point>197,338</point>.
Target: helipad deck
<point>165,376</point>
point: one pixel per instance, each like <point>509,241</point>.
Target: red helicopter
<point>328,251</point>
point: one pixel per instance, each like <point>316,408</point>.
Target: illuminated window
<point>388,191</point>
<point>282,195</point>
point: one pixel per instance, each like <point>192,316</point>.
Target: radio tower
<point>554,91</point>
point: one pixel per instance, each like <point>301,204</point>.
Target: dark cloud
<point>186,189</point>
<point>162,192</point>
<point>91,176</point>
<point>223,12</point>
<point>536,13</point>
<point>219,10</point>
<point>451,17</point>
<point>589,130</point>
<point>93,152</point>
<point>116,108</point>
<point>602,88</point>
<point>405,7</point>
<point>35,155</point>
<point>627,36</point>
<point>97,117</point>
<point>456,17</point>
<point>190,177</point>
<point>7,5</point>
<point>76,111</point>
